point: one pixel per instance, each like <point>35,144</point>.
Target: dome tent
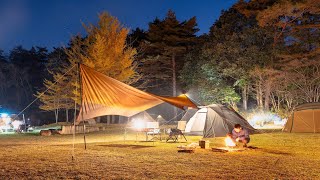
<point>215,121</point>
<point>142,120</point>
<point>142,116</point>
<point>305,118</point>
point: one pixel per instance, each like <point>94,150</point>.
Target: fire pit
<point>229,142</point>
<point>230,146</point>
<point>227,149</point>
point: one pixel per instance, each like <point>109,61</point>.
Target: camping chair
<point>174,135</point>
<point>182,125</point>
<point>154,131</point>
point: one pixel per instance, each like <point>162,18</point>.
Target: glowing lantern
<point>138,124</point>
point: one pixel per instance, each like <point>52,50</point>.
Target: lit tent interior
<point>102,95</point>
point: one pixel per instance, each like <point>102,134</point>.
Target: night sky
<point>52,23</point>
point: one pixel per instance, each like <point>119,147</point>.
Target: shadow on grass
<point>126,146</point>
<point>11,145</point>
<point>274,152</point>
<point>6,135</point>
<point>176,142</point>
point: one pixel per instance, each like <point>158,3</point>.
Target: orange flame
<point>229,142</point>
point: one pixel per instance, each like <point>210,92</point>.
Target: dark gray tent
<point>215,121</point>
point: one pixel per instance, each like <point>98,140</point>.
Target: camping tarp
<point>103,95</point>
<point>305,118</point>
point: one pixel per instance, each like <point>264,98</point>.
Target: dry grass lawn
<point>279,156</point>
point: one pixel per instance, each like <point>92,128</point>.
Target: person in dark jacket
<point>240,135</point>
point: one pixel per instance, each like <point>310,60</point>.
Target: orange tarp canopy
<point>103,95</point>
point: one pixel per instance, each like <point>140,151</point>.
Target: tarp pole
<point>314,122</point>
<point>84,126</point>
<point>125,134</point>
<point>75,117</point>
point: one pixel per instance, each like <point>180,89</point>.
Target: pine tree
<point>167,42</point>
<point>136,37</point>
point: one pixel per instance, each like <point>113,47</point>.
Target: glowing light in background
<point>138,124</point>
<point>4,115</point>
<point>260,119</point>
<point>5,122</point>
<point>16,124</point>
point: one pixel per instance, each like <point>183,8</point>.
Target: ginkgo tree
<point>103,48</point>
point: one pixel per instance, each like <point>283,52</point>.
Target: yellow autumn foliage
<point>103,48</point>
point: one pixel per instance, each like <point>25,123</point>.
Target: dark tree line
<point>22,72</point>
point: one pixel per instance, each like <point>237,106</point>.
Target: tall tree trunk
<point>234,106</point>
<point>259,94</point>
<point>288,100</point>
<point>279,101</point>
<point>67,115</point>
<point>108,119</point>
<point>267,95</point>
<point>174,83</point>
<point>56,111</point>
<point>245,97</point>
<point>56,114</point>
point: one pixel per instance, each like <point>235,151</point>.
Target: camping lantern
<point>138,124</point>
<point>143,121</point>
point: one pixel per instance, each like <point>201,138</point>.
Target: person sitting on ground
<point>240,135</point>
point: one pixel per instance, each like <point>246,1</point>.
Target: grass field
<point>108,156</point>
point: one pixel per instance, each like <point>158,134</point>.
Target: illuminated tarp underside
<point>102,95</point>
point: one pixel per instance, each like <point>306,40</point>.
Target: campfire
<point>230,146</point>
<point>229,142</point>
